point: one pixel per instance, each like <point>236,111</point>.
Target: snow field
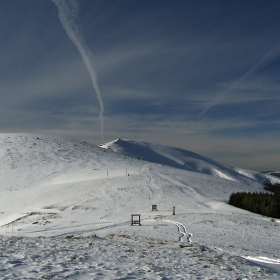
<point>66,208</point>
<point>119,257</point>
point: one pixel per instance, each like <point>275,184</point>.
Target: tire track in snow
<point>182,230</point>
<point>151,184</point>
<point>154,189</point>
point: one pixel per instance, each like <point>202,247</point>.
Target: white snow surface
<point>66,208</point>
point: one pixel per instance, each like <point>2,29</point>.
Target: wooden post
<point>173,210</point>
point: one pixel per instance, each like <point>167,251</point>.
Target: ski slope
<point>78,198</point>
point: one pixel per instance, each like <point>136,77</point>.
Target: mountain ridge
<point>69,181</point>
<point>183,159</point>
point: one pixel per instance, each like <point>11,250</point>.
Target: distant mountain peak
<point>183,159</point>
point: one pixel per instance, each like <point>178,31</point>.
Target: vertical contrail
<point>68,13</point>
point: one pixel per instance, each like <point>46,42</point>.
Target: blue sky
<point>200,75</point>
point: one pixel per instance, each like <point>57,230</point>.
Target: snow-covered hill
<point>273,173</point>
<point>185,160</point>
<point>50,186</point>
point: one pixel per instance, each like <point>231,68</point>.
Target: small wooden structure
<point>154,207</point>
<point>173,210</point>
<point>135,219</point>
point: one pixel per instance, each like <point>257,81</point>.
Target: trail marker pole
<point>173,210</point>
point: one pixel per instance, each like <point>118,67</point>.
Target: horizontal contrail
<point>68,13</point>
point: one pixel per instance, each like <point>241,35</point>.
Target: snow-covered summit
<point>69,177</point>
<point>54,176</point>
<point>183,159</point>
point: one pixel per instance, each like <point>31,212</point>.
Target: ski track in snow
<point>182,230</point>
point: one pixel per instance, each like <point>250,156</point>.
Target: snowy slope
<point>273,173</point>
<point>185,160</point>
<point>53,187</point>
<point>41,172</point>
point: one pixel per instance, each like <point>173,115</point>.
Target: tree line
<point>261,203</point>
<point>272,187</point>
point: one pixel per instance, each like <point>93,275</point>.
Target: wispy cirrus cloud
<point>267,58</point>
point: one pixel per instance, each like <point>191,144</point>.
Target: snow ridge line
<point>181,229</point>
